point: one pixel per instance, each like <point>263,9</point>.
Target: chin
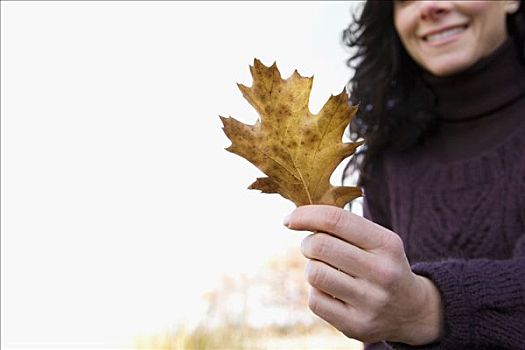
<point>449,67</point>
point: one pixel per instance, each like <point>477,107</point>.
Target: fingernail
<point>286,220</point>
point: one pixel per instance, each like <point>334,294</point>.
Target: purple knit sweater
<point>458,202</point>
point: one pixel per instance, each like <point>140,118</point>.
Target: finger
<point>329,309</point>
<point>331,281</point>
<point>338,253</point>
<point>338,222</point>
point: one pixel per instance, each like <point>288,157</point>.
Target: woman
<point>439,261</point>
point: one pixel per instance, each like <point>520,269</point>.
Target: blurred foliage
<point>269,338</point>
<point>198,339</point>
<point>266,310</point>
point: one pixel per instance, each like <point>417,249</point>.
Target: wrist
<point>425,326</point>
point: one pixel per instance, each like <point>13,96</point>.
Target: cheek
<point>407,19</point>
<point>400,22</point>
<point>403,27</point>
<point>489,20</point>
<point>486,11</point>
<point>475,7</point>
<point>407,35</point>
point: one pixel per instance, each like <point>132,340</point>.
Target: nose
<point>433,10</point>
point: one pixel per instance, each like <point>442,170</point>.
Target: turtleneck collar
<point>490,84</point>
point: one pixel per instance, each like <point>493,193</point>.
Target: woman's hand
<point>361,280</point>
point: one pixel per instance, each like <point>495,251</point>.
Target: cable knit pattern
<point>458,202</point>
<point>471,209</point>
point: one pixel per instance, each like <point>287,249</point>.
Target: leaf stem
<point>305,186</point>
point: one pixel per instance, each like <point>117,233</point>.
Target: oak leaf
<point>298,151</point>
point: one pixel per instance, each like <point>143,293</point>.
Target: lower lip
<point>446,40</point>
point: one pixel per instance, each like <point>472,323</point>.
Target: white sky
<point>120,206</point>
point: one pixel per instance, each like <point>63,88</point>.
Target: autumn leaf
<point>298,151</point>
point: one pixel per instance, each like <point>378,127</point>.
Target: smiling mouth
<point>444,34</point>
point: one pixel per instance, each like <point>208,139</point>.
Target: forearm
<point>483,303</point>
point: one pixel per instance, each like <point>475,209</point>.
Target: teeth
<point>445,34</point>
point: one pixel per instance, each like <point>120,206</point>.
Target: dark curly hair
<point>395,103</point>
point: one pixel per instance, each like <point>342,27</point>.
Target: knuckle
<point>388,275</point>
<point>317,246</point>
<point>393,243</point>
<point>365,328</point>
<point>313,304</point>
<point>315,273</point>
<point>376,298</point>
<point>306,246</point>
<point>334,219</point>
